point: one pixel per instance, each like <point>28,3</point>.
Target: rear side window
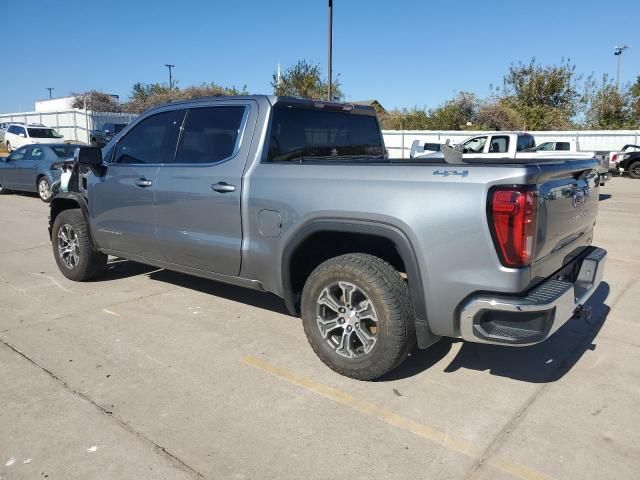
<point>153,140</point>
<point>434,147</point>
<point>525,142</point>
<point>499,144</point>
<point>562,146</point>
<point>64,151</point>
<point>43,133</point>
<point>210,134</point>
<point>300,133</point>
<point>36,153</point>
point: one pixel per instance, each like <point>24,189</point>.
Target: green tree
<point>456,114</point>
<point>95,101</point>
<point>606,107</point>
<point>546,97</point>
<point>498,114</point>
<point>147,95</point>
<point>304,80</point>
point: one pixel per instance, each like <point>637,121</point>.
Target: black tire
<point>634,169</point>
<point>3,190</point>
<point>9,146</point>
<point>388,293</point>
<point>43,185</point>
<point>90,263</point>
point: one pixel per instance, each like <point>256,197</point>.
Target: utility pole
<point>169,66</point>
<point>618,53</point>
<point>50,90</point>
<point>330,46</point>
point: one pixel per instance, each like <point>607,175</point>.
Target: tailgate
<point>567,207</point>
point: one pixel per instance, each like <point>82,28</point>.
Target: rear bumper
<point>502,319</point>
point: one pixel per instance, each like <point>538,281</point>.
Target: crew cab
<point>299,198</point>
<point>627,159</point>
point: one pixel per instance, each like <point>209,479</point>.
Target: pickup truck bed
<point>298,198</point>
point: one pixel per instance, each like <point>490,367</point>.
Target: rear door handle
<point>143,183</point>
<point>223,187</point>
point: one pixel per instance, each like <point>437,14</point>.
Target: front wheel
<point>634,169</point>
<point>44,189</point>
<point>358,315</point>
<point>9,147</point>
<point>72,248</point>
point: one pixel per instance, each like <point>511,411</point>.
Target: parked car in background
<point>29,168</point>
<point>299,198</point>
<point>418,148</point>
<point>573,146</point>
<point>506,145</point>
<point>99,138</point>
<point>3,130</point>
<point>18,134</point>
<point>627,159</point>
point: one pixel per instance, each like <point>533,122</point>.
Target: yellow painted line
<point>111,313</point>
<point>418,429</point>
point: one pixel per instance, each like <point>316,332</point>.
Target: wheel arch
<point>379,232</point>
<point>67,201</point>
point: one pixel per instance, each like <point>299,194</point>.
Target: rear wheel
<point>72,249</point>
<point>44,189</point>
<point>634,169</point>
<point>358,315</point>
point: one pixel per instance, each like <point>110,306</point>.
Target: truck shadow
<point>542,363</point>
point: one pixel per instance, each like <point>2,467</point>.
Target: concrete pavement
<point>153,374</point>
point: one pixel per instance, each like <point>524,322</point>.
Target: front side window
<point>475,145</point>
<point>304,133</point>
<point>16,130</point>
<point>18,154</point>
<point>499,144</point>
<point>152,141</point>
<point>546,146</point>
<point>210,134</point>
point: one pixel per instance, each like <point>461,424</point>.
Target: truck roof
<point>275,99</point>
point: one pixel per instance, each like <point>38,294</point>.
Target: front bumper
<point>503,319</point>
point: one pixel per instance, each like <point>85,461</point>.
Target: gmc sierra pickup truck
<point>299,198</point>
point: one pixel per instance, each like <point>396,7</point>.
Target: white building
<point>60,104</point>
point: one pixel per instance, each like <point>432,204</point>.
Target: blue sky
<point>404,52</point>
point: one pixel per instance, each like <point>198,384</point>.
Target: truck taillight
<point>512,220</point>
<point>614,158</point>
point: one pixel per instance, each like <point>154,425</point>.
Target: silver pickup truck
<point>299,198</point>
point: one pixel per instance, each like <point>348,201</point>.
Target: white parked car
<point>18,135</point>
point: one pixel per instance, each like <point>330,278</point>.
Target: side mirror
<point>88,156</point>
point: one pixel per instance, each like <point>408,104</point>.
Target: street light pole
<point>169,66</point>
<point>330,46</point>
<point>618,53</point>
<point>50,90</point>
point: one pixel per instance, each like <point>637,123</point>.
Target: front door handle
<point>223,187</point>
<point>144,183</point>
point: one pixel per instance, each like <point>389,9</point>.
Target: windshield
<point>298,133</point>
<point>43,133</point>
<point>65,151</point>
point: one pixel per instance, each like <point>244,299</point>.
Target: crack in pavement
<point>503,435</point>
<point>172,456</point>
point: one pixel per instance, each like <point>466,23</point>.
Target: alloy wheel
<point>347,319</point>
<point>44,189</point>
<point>68,246</point>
